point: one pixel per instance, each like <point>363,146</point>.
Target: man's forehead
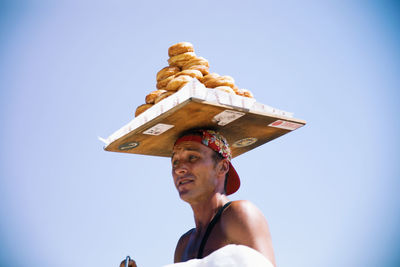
<point>190,146</point>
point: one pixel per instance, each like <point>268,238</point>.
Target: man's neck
<point>205,210</point>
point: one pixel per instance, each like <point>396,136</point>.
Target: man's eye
<point>175,163</point>
<point>192,158</point>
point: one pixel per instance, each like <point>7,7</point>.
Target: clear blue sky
<point>73,71</point>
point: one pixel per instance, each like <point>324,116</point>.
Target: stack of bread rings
<point>183,66</point>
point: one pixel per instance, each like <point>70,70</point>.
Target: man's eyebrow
<point>192,149</point>
<point>186,149</point>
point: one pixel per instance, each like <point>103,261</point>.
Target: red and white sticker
<point>285,125</point>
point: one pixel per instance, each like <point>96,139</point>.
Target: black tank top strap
<point>209,229</point>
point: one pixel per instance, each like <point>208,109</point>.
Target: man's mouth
<point>184,181</point>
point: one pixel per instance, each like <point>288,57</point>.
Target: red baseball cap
<point>218,143</point>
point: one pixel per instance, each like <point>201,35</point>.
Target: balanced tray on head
<point>245,123</point>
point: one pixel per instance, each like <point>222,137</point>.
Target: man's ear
<point>223,167</point>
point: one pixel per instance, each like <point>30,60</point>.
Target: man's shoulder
<point>181,245</point>
<point>242,204</point>
<point>243,214</point>
<point>185,238</point>
<point>243,209</point>
<point>244,224</point>
<point>187,234</point>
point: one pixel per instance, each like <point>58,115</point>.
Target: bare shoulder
<point>245,224</point>
<point>243,213</point>
<point>244,208</point>
<point>182,243</point>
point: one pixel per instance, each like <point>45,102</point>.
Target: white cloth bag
<point>229,256</point>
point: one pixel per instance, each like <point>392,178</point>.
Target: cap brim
<point>233,183</point>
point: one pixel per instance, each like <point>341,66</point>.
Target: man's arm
<point>244,224</point>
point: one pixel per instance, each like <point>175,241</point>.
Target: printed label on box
<point>158,129</point>
<point>285,125</point>
<point>227,116</point>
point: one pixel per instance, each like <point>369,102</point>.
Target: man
<point>204,176</point>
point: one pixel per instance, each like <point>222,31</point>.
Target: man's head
<point>206,143</point>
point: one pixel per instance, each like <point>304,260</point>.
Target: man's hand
<point>132,263</point>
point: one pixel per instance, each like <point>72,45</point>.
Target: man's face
<point>194,171</point>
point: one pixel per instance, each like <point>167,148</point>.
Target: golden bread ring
<point>210,76</point>
<point>220,81</point>
<point>228,78</point>
<point>225,89</point>
<point>178,82</point>
<point>203,69</point>
<point>166,72</point>
<point>239,92</point>
<point>163,83</point>
<point>164,95</point>
<point>181,59</point>
<point>142,108</point>
<point>153,95</point>
<point>192,73</point>
<point>180,48</point>
<point>196,61</point>
<point>246,93</point>
<point>235,88</point>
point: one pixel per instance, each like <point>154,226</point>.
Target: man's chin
<point>185,195</point>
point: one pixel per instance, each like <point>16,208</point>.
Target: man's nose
<point>180,169</point>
